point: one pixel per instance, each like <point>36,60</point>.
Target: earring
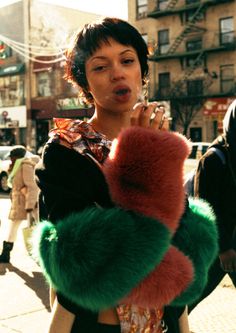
<point>145,90</point>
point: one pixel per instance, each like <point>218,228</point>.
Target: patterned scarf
<point>81,136</point>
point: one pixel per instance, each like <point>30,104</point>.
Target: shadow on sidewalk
<point>36,282</point>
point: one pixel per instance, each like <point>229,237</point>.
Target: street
<point>24,306</point>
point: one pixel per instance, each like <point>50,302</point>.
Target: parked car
<point>198,149</point>
<point>4,167</point>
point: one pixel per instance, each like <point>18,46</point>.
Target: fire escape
<point>197,10</point>
<point>189,27</point>
<point>171,4</point>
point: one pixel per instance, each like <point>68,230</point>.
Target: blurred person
<point>108,62</point>
<point>215,181</point>
<point>23,195</point>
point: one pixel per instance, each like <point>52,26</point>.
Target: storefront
<point>44,110</point>
<point>12,124</point>
<point>208,122</point>
<point>214,111</point>
<point>13,113</point>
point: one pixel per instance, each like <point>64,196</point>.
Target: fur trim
<point>166,282</point>
<point>145,173</point>
<point>97,256</point>
<point>197,237</point>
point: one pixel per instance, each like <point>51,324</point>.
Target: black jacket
<point>65,189</point>
<point>214,182</point>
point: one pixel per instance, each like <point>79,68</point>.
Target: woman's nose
<point>117,73</point>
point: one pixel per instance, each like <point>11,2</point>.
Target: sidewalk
<point>216,313</point>
<point>24,303</point>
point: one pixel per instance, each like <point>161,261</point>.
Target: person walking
<point>23,195</point>
<point>215,182</point>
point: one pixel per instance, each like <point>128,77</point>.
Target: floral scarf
<point>81,136</point>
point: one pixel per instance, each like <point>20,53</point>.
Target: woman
<point>108,62</point>
<point>24,195</point>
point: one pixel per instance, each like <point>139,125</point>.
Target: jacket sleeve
<point>197,238</point>
<point>69,182</point>
<point>208,186</point>
<point>32,190</point>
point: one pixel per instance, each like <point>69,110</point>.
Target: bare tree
<point>184,109</point>
<point>187,98</point>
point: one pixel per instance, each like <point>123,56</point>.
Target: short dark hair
<point>89,39</point>
<point>18,151</point>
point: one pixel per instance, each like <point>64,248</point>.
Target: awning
<point>12,70</point>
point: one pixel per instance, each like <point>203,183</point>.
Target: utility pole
<point>30,138</point>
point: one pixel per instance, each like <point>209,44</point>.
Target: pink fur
<point>145,173</point>
<point>166,282</point>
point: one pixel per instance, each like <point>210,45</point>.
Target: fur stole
<point>100,257</point>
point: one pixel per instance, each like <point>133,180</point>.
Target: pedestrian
<point>215,181</point>
<point>108,62</point>
<point>23,195</point>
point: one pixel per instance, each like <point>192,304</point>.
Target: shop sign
<point>217,106</point>
<point>12,70</point>
<point>70,104</point>
<point>13,117</point>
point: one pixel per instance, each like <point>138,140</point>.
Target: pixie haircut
<point>90,38</point>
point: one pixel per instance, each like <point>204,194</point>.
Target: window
<point>44,84</point>
<point>164,84</point>
<point>227,78</point>
<point>163,41</point>
<point>191,14</point>
<point>162,4</point>
<point>193,45</point>
<point>11,90</point>
<point>142,6</point>
<point>192,61</point>
<point>195,87</point>
<point>226,31</point>
<point>189,2</point>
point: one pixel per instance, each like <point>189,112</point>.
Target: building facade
<point>192,46</point>
<point>32,88</point>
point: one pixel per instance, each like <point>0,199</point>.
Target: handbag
<point>28,231</point>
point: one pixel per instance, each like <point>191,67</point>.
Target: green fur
<point>197,237</point>
<point>97,256</point>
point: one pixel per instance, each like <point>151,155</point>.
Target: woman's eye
<point>128,61</point>
<point>99,68</point>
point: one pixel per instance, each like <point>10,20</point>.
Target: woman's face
<point>114,77</point>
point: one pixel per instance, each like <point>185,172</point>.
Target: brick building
<point>32,88</point>
<point>192,46</point>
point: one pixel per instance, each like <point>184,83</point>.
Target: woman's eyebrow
<point>105,57</point>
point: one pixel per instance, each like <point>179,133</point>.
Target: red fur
<point>145,173</point>
<point>166,282</point>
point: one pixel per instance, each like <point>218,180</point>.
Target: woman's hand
<point>151,115</point>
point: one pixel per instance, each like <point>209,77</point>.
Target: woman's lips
<point>121,94</point>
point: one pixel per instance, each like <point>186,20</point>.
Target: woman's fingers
<point>149,116</point>
<point>158,118</point>
<point>166,124</point>
<point>134,119</point>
